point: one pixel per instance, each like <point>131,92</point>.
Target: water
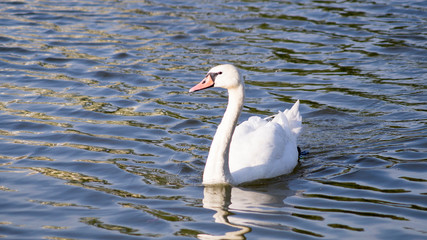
<point>100,139</point>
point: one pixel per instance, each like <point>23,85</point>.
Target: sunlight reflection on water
<point>100,139</point>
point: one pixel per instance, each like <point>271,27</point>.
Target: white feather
<point>264,149</point>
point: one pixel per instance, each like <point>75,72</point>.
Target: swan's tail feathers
<point>294,119</point>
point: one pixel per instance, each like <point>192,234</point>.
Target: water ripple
<point>100,139</point>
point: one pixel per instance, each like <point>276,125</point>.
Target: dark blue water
<point>100,139</point>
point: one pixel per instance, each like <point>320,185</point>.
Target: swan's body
<point>257,148</point>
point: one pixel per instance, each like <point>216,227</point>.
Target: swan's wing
<point>291,119</point>
<point>265,149</point>
<point>261,149</point>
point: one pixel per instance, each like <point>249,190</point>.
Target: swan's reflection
<point>228,201</point>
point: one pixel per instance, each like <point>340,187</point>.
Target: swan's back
<point>265,149</point>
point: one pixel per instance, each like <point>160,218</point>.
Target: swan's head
<point>223,76</point>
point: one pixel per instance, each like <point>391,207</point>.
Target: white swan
<point>257,148</point>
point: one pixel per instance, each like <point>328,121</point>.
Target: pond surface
<point>100,139</point>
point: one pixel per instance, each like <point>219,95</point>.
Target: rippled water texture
<point>100,139</point>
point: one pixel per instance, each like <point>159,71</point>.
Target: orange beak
<point>207,82</point>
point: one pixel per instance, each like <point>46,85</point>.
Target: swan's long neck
<point>217,170</point>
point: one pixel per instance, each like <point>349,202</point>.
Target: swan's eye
<point>213,75</point>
